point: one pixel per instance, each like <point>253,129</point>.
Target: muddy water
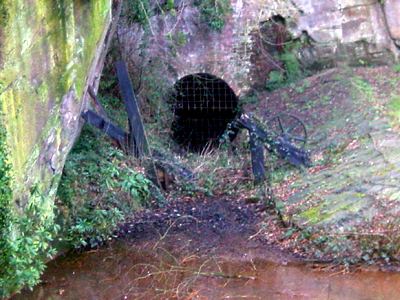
<point>209,254</point>
<point>153,272</point>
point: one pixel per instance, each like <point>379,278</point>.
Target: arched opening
<point>203,106</point>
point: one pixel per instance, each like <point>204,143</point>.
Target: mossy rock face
<point>49,51</point>
<point>360,169</point>
<point>351,193</point>
<point>3,23</point>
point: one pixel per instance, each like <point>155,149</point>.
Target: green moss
<point>394,108</point>
<point>24,238</point>
<point>214,12</point>
<point>312,215</point>
<point>50,47</point>
<point>3,13</point>
<point>95,30</point>
<point>332,207</point>
<point>137,11</point>
<point>363,87</point>
<point>396,68</point>
<point>292,69</point>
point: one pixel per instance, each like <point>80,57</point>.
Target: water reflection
<point>153,270</point>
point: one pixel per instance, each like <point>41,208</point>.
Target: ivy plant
<point>214,12</point>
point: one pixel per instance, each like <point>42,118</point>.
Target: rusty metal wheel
<point>289,127</point>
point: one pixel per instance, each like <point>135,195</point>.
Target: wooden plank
<point>113,131</point>
<point>137,141</point>
<point>257,158</point>
<point>138,145</point>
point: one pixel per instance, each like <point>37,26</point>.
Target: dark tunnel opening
<point>203,107</point>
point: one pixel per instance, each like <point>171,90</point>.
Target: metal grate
<point>203,106</point>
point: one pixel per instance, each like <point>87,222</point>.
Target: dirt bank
<point>344,209</point>
<point>346,205</point>
<point>210,226</point>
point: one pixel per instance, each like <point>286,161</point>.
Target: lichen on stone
<point>51,47</point>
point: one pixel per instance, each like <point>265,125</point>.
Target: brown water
<point>209,255</point>
<point>150,271</point>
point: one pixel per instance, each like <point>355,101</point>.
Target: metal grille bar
<point>203,106</point>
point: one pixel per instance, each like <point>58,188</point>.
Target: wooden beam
<point>113,131</point>
<point>257,158</point>
<point>137,143</point>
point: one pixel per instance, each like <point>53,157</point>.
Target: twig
<point>147,17</point>
<point>169,228</point>
<point>96,103</point>
<point>254,235</point>
<point>228,276</point>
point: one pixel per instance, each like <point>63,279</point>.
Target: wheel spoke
<point>280,124</point>
<point>291,128</point>
<point>297,138</point>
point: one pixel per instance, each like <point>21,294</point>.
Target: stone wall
<point>50,52</point>
<point>392,13</point>
<point>351,31</point>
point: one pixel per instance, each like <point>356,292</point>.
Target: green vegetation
<point>303,87</point>
<point>3,13</point>
<point>28,245</point>
<point>99,187</point>
<point>169,5</point>
<point>155,107</point>
<point>394,108</point>
<point>24,239</point>
<point>137,11</point>
<point>27,227</point>
<point>5,210</point>
<point>292,70</point>
<point>276,79</point>
<point>214,12</point>
<point>363,87</point>
<point>372,247</point>
<point>292,64</point>
<point>396,68</point>
<point>248,99</point>
<point>212,169</point>
<point>176,40</point>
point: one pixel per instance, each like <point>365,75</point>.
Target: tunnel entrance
<point>203,106</point>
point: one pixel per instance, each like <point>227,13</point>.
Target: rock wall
<point>50,53</point>
<point>392,13</point>
<point>51,50</point>
<point>351,31</point>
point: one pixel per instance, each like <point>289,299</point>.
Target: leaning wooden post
<point>257,158</point>
<point>137,142</point>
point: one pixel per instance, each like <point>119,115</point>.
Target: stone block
<point>392,13</point>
